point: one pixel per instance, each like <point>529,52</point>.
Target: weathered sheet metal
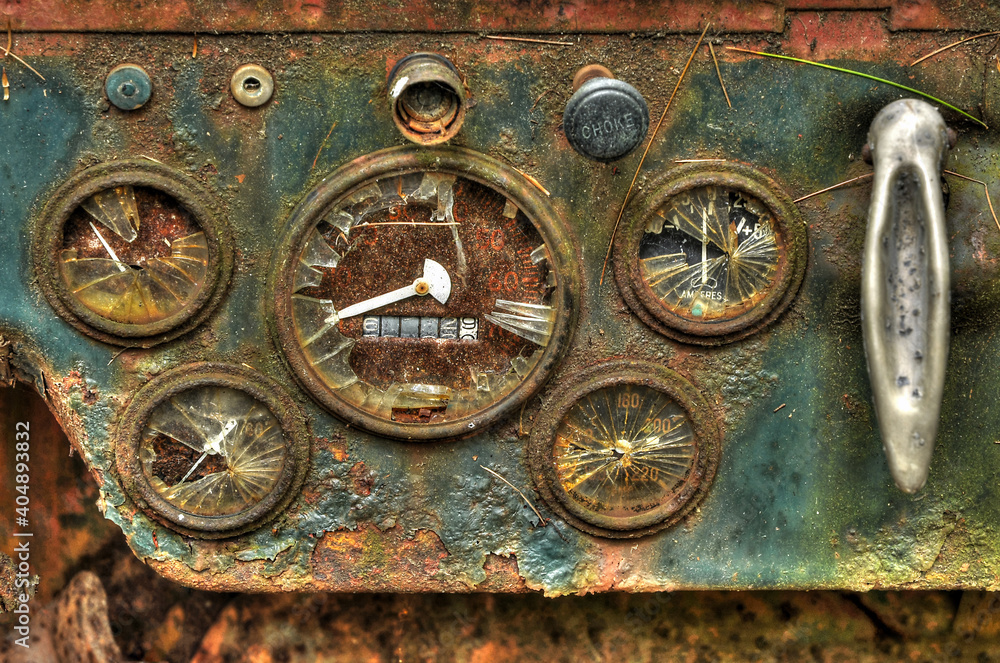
<point>801,498</point>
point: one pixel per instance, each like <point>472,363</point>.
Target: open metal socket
<point>428,98</point>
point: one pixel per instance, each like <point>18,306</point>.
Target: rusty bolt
<point>252,85</point>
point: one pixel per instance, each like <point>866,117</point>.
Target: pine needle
<point>531,41</point>
<point>835,186</point>
<point>953,45</point>
<point>862,75</point>
<point>523,497</point>
<point>986,188</point>
<point>628,193</point>
<point>711,50</point>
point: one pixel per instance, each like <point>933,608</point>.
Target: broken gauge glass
<point>623,451</point>
<point>420,301</point>
<point>133,255</point>
<point>626,451</point>
<point>711,253</point>
<point>212,451</point>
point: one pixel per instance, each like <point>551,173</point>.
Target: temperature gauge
<point>422,294</point>
<point>711,255</point>
<point>626,451</point>
<point>130,253</point>
<point>212,448</point>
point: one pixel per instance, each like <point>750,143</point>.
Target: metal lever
<point>905,289</point>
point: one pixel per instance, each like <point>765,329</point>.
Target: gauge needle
<point>107,247</point>
<point>213,448</point>
<point>434,282</point>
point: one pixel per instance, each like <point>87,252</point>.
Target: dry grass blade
<point>535,182</point>
<point>532,41</point>
<point>711,49</point>
<point>953,45</point>
<point>985,188</point>
<point>523,497</point>
<point>322,146</point>
<point>700,160</point>
<point>8,51</point>
<point>835,186</point>
<point>631,186</point>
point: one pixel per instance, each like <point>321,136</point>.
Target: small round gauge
<point>212,449</point>
<point>130,254</point>
<point>626,450</point>
<point>423,293</point>
<point>712,254</point>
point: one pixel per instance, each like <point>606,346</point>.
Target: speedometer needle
<point>434,282</point>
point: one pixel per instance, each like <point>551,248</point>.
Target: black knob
<point>606,118</point>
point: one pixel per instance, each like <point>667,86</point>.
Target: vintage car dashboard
<point>334,299</point>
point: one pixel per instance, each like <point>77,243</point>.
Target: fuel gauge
<point>711,255</point>
<point>627,450</point>
<point>130,253</point>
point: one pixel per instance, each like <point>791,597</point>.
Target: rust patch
<point>75,379</point>
<point>371,560</point>
<point>362,478</point>
<point>502,575</point>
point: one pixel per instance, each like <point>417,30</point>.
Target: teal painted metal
<point>802,497</point>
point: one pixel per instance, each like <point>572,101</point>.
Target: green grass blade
<point>863,75</point>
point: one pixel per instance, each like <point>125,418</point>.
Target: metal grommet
<point>128,86</point>
<point>252,85</point>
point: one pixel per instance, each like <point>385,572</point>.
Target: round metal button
<point>252,85</point>
<point>128,86</point>
<point>605,119</point>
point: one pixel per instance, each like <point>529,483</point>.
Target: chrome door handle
<point>905,288</point>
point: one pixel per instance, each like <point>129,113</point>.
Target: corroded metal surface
<point>802,497</point>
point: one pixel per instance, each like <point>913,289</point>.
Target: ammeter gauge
<point>424,293</point>
<point>712,254</point>
<point>626,450</point>
<point>130,253</point>
<point>211,449</point>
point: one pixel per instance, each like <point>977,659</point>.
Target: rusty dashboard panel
<point>562,298</point>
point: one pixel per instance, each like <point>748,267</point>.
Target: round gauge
<point>129,253</point>
<point>626,450</point>
<point>423,293</point>
<point>212,449</point>
<point>712,254</point>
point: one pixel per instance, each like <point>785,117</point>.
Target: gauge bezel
<point>189,194</point>
<point>706,436</point>
<point>788,223</point>
<point>191,376</point>
<point>401,161</point>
